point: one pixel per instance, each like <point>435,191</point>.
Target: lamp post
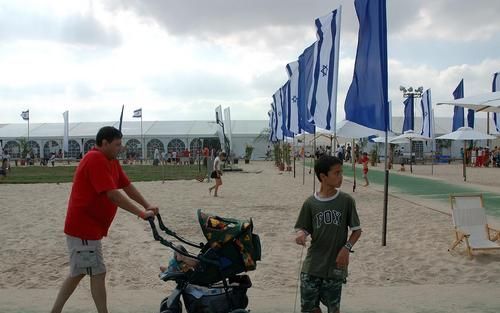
<point>412,93</point>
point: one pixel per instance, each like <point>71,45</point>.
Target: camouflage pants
<point>315,289</point>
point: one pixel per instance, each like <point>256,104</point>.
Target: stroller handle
<point>169,244</point>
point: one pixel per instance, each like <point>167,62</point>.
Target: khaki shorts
<point>85,257</point>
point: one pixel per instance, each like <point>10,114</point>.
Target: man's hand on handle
<point>150,211</point>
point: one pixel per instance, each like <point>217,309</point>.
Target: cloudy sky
<point>179,59</point>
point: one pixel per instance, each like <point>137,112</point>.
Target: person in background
<point>217,173</point>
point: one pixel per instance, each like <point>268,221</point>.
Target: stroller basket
<point>215,298</point>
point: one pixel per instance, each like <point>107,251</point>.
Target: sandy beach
<point>413,273</point>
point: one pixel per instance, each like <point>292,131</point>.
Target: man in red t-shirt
<point>92,206</point>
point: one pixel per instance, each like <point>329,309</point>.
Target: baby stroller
<point>215,284</point>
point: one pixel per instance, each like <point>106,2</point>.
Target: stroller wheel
<point>176,307</point>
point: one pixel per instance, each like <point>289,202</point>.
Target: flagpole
<point>433,127</point>
<point>293,151</point>
<point>353,168</point>
<point>304,160</point>
<point>337,54</point>
<point>314,159</point>
<point>386,192</point>
<point>142,142</point>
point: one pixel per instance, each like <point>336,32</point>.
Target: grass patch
<point>64,174</point>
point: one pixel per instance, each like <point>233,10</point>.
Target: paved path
<point>426,188</point>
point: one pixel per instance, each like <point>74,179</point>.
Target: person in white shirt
<point>217,173</point>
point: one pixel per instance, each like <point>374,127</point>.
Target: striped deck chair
<point>471,227</point>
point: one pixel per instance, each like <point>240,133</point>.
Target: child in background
<point>365,160</point>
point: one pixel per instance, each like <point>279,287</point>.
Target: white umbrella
<point>408,137</point>
<point>487,102</point>
<point>381,139</point>
<point>348,129</point>
<point>466,133</point>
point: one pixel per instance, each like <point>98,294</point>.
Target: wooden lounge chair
<point>471,227</point>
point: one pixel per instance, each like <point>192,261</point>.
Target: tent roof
<point>132,128</point>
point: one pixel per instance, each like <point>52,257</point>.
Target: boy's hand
<point>343,258</point>
<point>301,237</point>
<point>153,208</point>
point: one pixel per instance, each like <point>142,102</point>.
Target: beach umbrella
<point>408,137</point>
<point>348,129</point>
<point>487,102</point>
<point>466,133</point>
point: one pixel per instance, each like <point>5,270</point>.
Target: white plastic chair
<point>471,227</point>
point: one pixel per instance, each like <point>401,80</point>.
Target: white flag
<point>292,70</point>
<point>227,127</point>
<point>322,100</point>
<point>426,114</point>
<point>66,132</point>
<point>137,113</point>
<point>219,120</point>
<point>25,115</point>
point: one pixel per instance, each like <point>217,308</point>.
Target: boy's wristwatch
<point>348,246</point>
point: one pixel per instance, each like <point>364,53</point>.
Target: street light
<point>410,92</point>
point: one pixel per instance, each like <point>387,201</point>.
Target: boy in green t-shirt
<point>326,217</point>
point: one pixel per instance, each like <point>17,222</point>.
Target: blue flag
<point>366,102</point>
<point>409,121</point>
<point>458,112</point>
<point>496,87</point>
<point>323,96</point>
<point>306,60</point>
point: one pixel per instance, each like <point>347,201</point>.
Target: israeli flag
<point>273,123</point>
<point>458,112</point>
<point>285,109</point>
<point>270,114</point>
<point>322,100</point>
<point>25,115</point>
<point>292,70</point>
<point>137,113</point>
<point>427,119</point>
<point>305,82</point>
<point>496,87</point>
<point>278,127</point>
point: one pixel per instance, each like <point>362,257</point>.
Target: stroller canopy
<point>221,231</point>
